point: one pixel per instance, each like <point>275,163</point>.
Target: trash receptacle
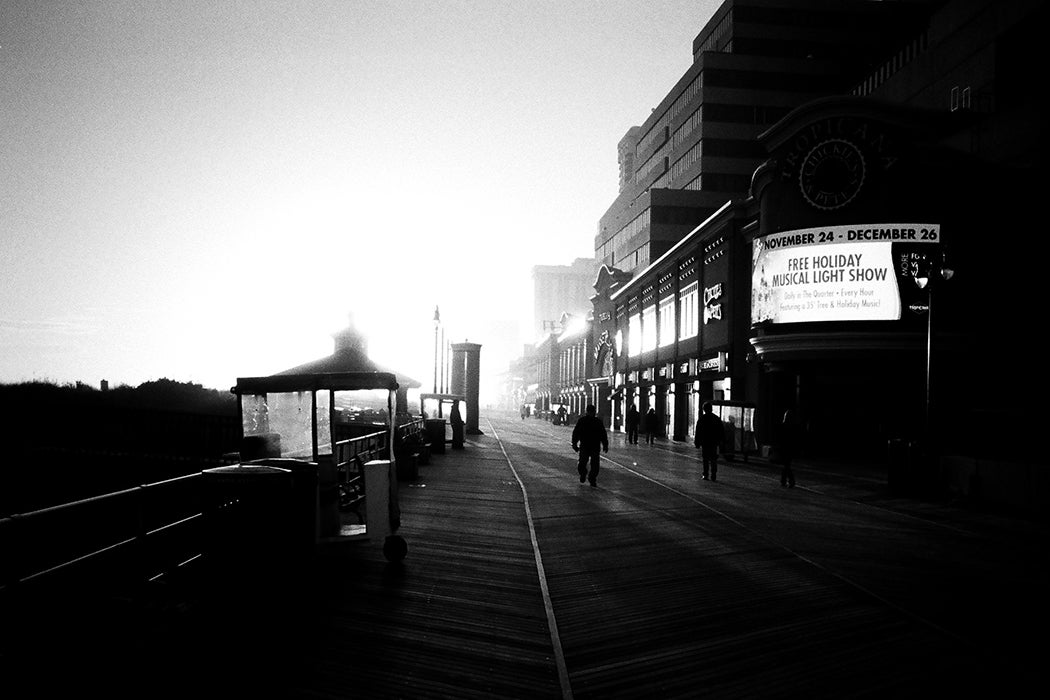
<point>248,515</point>
<point>303,516</point>
<point>435,428</point>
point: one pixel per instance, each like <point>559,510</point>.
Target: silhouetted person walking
<point>650,426</point>
<point>709,437</point>
<point>590,440</point>
<point>456,419</point>
<point>633,418</point>
<point>786,446</point>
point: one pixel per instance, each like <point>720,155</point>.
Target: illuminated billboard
<point>835,273</point>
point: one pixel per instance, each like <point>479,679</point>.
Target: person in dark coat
<point>456,419</point>
<point>650,426</point>
<point>589,439</point>
<point>709,437</point>
<point>632,425</point>
<point>786,447</point>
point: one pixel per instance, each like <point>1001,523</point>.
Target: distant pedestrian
<point>710,438</point>
<point>589,439</point>
<point>650,426</point>
<point>785,446</point>
<point>456,419</point>
<point>633,418</point>
<point>524,411</point>
<point>563,416</point>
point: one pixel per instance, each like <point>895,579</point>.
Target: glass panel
<point>324,423</point>
<point>360,412</point>
<point>290,418</point>
<point>254,417</point>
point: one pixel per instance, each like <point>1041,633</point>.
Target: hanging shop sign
<point>604,343</point>
<point>835,273</point>
<point>712,307</point>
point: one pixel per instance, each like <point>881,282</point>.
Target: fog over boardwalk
<point>658,584</point>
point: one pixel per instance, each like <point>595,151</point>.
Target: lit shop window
<point>649,328</point>
<point>634,335</point>
<point>687,312</point>
<point>666,321</point>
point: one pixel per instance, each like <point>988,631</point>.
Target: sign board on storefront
<point>835,273</point>
<point>714,364</point>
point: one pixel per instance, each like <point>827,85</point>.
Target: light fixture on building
<point>927,276</point>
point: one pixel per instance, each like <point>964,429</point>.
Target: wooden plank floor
<point>657,593</point>
<point>461,617</point>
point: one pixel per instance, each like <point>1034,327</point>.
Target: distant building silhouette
<point>559,289</point>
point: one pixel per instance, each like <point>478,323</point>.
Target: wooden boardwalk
<point>659,586</point>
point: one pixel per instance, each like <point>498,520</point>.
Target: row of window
<point>720,182</point>
<point>717,36</point>
<point>657,163</point>
<point>691,156</point>
<point>686,128</point>
<point>728,114</point>
<point>742,114</point>
<point>686,96</point>
<point>656,326</point>
<point>761,80</point>
<point>896,62</point>
<point>713,112</point>
<point>712,148</point>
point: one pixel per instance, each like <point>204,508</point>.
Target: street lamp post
<point>928,275</point>
<point>437,349</point>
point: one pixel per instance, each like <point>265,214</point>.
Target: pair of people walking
<point>633,422</point>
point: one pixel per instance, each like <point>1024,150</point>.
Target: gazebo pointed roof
<point>350,355</point>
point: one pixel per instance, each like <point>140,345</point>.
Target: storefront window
<point>634,335</point>
<point>687,312</point>
<point>649,328</point>
<point>666,321</point>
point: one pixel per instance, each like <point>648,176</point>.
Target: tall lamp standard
<point>927,276</point>
<point>437,349</point>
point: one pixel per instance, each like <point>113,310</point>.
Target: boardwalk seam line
<point>552,624</point>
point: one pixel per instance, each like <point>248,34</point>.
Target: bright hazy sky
<point>205,190</point>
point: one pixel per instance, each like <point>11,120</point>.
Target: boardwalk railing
<point>138,533</point>
<point>134,535</point>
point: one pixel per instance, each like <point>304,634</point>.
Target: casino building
<point>854,279</point>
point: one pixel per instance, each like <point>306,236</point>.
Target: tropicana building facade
<point>826,285</point>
